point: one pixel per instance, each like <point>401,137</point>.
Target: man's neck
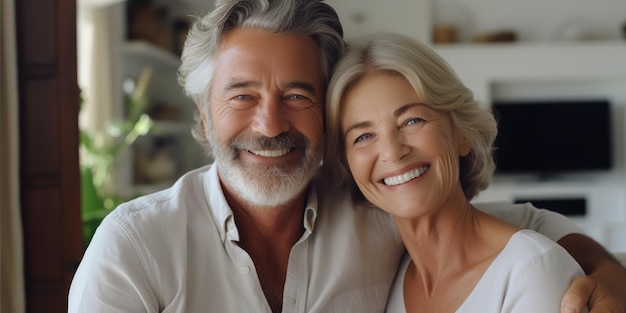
<point>268,234</point>
<point>274,224</point>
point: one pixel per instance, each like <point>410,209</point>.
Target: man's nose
<point>270,118</point>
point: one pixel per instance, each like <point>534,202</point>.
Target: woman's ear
<point>465,145</point>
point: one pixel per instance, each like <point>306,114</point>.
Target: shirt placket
<point>246,272</point>
<point>296,282</point>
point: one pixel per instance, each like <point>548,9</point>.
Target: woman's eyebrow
<point>358,125</point>
<point>399,111</point>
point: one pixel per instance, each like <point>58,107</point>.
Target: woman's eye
<point>362,137</point>
<point>413,121</point>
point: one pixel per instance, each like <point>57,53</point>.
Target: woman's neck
<point>450,250</point>
<point>443,239</point>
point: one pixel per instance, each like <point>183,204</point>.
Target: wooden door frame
<point>49,168</point>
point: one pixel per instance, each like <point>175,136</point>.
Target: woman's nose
<point>393,147</point>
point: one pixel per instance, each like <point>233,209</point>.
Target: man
<point>258,231</point>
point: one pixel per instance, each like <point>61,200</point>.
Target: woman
<point>420,147</point>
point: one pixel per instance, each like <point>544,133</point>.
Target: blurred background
<point>563,52</point>
<point>117,59</point>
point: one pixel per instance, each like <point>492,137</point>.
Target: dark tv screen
<point>550,137</point>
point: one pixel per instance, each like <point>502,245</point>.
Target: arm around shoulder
<point>548,223</point>
<point>604,289</point>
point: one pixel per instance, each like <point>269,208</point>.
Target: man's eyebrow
<point>249,83</point>
<point>302,85</point>
<point>241,84</point>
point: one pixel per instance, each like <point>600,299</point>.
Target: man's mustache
<point>290,141</point>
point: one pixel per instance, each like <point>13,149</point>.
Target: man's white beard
<point>266,185</point>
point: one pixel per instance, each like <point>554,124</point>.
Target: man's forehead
<point>250,56</point>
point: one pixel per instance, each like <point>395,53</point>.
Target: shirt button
<point>245,269</point>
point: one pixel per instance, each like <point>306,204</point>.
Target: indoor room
<point>93,114</point>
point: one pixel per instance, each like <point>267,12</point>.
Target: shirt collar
<point>218,207</point>
<point>310,211</point>
<point>223,214</point>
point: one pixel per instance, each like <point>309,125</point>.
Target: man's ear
<point>204,117</point>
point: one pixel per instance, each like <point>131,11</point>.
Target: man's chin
<point>265,188</point>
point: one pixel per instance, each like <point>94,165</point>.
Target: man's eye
<point>298,101</point>
<point>242,101</point>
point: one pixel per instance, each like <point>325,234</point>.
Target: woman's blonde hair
<point>437,85</point>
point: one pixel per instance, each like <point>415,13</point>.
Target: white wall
<point>533,19</point>
<point>361,17</point>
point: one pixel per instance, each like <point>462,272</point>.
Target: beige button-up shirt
<point>177,251</point>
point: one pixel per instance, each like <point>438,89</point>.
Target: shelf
<point>164,128</point>
<point>150,53</point>
<point>586,59</point>
<point>169,146</point>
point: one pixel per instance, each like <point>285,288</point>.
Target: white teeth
<point>403,178</point>
<point>270,153</point>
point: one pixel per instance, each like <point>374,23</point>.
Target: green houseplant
<point>98,152</point>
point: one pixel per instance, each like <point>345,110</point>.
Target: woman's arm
<point>604,289</point>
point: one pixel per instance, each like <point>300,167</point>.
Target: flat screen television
<point>553,137</point>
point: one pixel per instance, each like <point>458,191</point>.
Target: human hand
<point>603,290</point>
<point>590,291</point>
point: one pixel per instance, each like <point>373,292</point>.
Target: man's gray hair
<point>311,18</point>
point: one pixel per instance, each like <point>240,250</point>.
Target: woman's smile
<point>405,177</point>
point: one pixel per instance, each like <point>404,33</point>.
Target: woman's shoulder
<point>531,274</point>
<point>531,242</point>
<point>529,250</point>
